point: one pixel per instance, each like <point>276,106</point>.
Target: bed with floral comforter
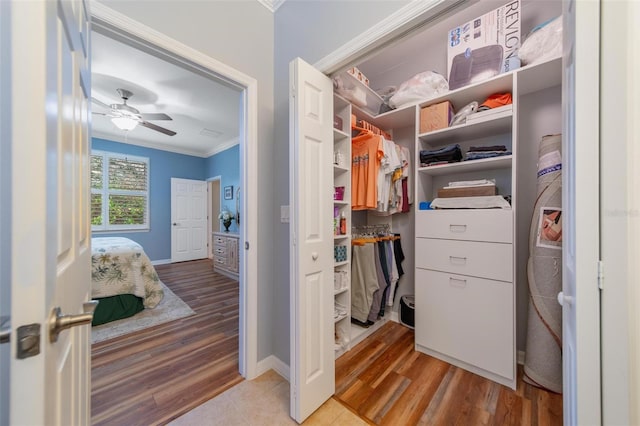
<point>119,266</point>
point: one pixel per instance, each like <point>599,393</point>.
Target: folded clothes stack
<point>448,154</point>
<point>479,152</point>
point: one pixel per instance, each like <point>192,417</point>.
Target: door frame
<point>116,25</point>
<point>211,211</point>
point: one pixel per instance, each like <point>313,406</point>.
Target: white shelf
<point>338,170</point>
<point>536,77</point>
<point>462,132</point>
<point>336,264</point>
<point>503,162</point>
<point>340,202</point>
<point>340,318</point>
<point>342,290</point>
<point>339,135</point>
<point>340,237</point>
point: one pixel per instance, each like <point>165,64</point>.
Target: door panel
<point>188,219</point>
<point>50,241</point>
<point>580,179</point>
<point>311,147</point>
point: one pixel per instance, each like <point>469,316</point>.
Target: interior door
<point>312,366</point>
<point>188,219</point>
<point>580,296</point>
<point>50,227</point>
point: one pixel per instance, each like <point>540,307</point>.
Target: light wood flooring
<point>387,382</point>
<point>157,374</point>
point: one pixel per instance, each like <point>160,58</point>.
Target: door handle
<point>562,299</point>
<point>175,224</point>
<point>5,329</point>
<point>314,255</point>
<point>59,322</point>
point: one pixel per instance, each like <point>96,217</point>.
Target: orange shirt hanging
<point>366,151</point>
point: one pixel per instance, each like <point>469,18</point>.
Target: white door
<point>50,240</point>
<point>580,296</point>
<point>312,366</point>
<point>188,219</point>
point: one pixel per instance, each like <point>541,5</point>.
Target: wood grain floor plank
<point>420,389</point>
<point>155,375</point>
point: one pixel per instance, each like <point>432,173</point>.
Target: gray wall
<point>310,30</point>
<point>239,34</point>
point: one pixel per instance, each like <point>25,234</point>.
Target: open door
<point>312,368</point>
<point>50,221</point>
<point>580,296</point>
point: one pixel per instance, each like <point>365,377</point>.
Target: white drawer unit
<point>486,260</point>
<point>466,318</point>
<point>470,225</point>
<point>225,253</point>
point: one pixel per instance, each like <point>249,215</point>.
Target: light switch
<point>284,214</point>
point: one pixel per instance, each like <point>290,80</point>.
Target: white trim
<point>161,262</point>
<point>274,363</point>
<point>147,144</point>
<point>414,14</point>
<point>223,146</point>
<point>272,5</point>
<point>110,20</point>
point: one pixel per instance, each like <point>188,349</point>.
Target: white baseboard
<point>394,316</point>
<point>521,357</point>
<point>274,363</point>
<point>160,262</point>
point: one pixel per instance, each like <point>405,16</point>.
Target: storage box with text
<point>484,47</point>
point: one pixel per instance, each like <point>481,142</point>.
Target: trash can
<point>408,310</point>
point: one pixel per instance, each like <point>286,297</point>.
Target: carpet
<point>170,308</point>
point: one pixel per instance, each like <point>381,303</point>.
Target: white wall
<point>5,196</point>
<point>310,30</point>
<point>239,34</point>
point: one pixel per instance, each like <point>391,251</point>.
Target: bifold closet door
<point>312,366</point>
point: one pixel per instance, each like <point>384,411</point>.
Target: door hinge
<point>600,275</point>
<point>293,91</point>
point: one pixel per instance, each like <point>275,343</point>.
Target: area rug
<point>170,308</point>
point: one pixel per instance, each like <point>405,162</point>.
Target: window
<point>119,192</point>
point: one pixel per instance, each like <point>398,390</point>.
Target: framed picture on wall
<point>228,192</point>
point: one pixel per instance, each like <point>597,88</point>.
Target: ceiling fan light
<point>124,123</point>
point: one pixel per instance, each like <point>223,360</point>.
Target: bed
<point>122,279</point>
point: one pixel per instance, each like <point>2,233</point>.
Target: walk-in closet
<point>464,264</point>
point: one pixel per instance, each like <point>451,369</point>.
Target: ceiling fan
<point>126,117</point>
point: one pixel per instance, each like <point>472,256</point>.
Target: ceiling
<point>204,112</point>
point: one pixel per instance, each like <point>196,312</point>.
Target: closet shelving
<point>442,330</point>
<point>342,269</point>
<point>461,247</point>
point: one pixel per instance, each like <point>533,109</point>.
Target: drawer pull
<point>455,282</point>
<point>457,260</point>
<point>458,228</point>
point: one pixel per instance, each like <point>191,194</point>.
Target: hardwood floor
<point>157,374</point>
<point>387,382</point>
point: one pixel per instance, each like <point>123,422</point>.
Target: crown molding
<point>272,5</point>
<point>410,16</point>
<point>153,145</point>
<point>223,146</point>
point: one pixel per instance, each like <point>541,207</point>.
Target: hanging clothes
<point>366,152</point>
<point>364,280</point>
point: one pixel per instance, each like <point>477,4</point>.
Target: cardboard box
<point>436,116</point>
<point>468,191</point>
<point>484,47</point>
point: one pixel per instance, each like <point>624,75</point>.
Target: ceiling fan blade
<point>157,128</point>
<point>102,104</point>
<point>155,116</point>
